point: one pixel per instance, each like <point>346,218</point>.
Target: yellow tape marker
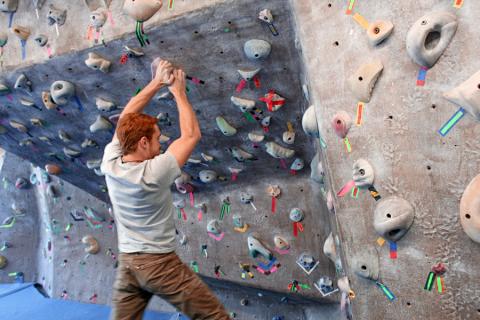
<point>380,241</point>
<point>361,21</point>
<point>289,126</point>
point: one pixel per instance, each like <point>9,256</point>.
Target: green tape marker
<point>386,291</point>
<point>9,225</point>
<point>249,117</point>
<point>429,283</point>
<point>347,145</point>
<point>439,284</point>
<point>451,122</point>
<point>323,143</point>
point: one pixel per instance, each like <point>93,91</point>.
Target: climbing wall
<point>210,47</point>
<point>399,136</point>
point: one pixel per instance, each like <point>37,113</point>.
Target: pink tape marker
<point>346,188</point>
<point>220,237</point>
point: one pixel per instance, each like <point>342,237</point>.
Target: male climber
<point>139,179</point>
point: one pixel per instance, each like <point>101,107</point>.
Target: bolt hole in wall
<point>467,216</point>
<point>329,5</point>
<point>429,168</point>
<point>433,106</point>
<point>336,44</point>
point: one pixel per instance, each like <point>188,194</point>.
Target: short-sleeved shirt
<point>141,200</point>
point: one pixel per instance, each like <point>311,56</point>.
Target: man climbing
<point>139,179</point>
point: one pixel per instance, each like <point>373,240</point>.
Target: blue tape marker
<point>10,20</point>
<point>451,122</point>
<point>24,52</point>
<point>393,246</point>
<point>268,266</point>
<point>422,74</point>
<point>79,104</point>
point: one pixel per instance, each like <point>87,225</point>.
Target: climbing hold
<point>8,5</point>
<point>344,285</point>
<point>23,82</point>
<point>21,183</point>
<point>363,80</point>
<point>329,249</point>
<point>4,89</point>
<point>296,215</point>
<point>309,122</point>
<point>256,136</point>
<point>89,143</point>
<point>45,139</point>
<point>25,142</point>
<point>365,263</point>
<point>213,227</point>
<point>92,244</point>
<point>179,204</point>
<point>378,31</point>
<point>316,169</point>
<point>38,4</point>
<point>97,62</point>
<point>273,100</point>
<point>71,152</point>
<point>64,136</point>
<point>470,209</point>
<point>266,121</point>
<point>53,169</point>
<point>241,155</point>
<point>324,285</point>
<point>52,192</point>
<point>393,217</point>
<point>182,183</point>
<point>238,223</point>
<point>61,91</point>
<point>288,137</point>
<point>307,261</point>
<point>18,125</point>
<point>278,151</point>
<point>141,10</point>
<point>273,191</point>
<point>136,52</point>
<point>47,100</point>
<point>3,39</point>
<point>467,95</point>
<point>225,127</point>
<point>207,176</point>
<point>36,122</point>
<point>245,105</point>
<point>21,32</point>
<point>297,165</point>
<point>98,18</point>
<point>206,157</point>
<point>430,35</point>
<point>27,102</point>
<point>248,74</point>
<point>246,198</point>
<point>363,173</point>
<point>255,248</point>
<point>281,243</point>
<point>56,16</point>
<point>94,163</point>
<point>41,40</point>
<point>3,262</point>
<point>100,124</point>
<point>266,15</point>
<point>105,105</point>
<point>257,49</point>
<point>341,123</point>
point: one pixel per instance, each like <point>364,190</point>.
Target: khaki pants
<point>142,275</point>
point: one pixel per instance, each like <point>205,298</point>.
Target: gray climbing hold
<point>255,248</point>
<point>64,136</point>
<point>4,89</point>
<point>134,52</point>
<point>296,215</point>
<point>8,5</point>
<point>256,136</point>
<point>365,263</point>
<point>288,137</point>
<point>38,4</point>
<point>241,155</point>
<point>297,164</point>
<point>206,157</point>
<point>55,15</point>
<point>248,74</point>
<point>307,261</point>
<point>244,104</point>
<point>47,100</point>
<point>309,122</point>
<point>36,122</point>
<point>329,248</point>
<point>98,18</point>
<point>18,125</point>
<point>266,121</point>
<point>182,182</point>
<point>105,105</point>
<point>94,163</point>
<point>393,217</point>
<point>207,176</point>
<point>363,173</point>
<point>41,40</point>
<point>45,139</point>
<point>92,244</point>
<point>363,80</point>
<point>141,10</point>
<point>100,124</point>
<point>21,32</point>
<point>179,204</point>
<point>281,243</point>
<point>467,95</point>
<point>3,262</point>
<point>97,62</point>
<point>246,198</point>
<point>23,82</point>
<point>257,49</point>
<point>3,39</point>
<point>470,209</point>
<point>89,143</point>
<point>213,227</point>
<point>71,152</point>
<point>26,142</point>
<point>27,102</point>
<point>62,91</point>
<point>238,221</point>
<point>316,170</point>
<point>266,15</point>
<point>225,127</point>
<point>429,36</point>
<point>52,192</point>
<point>378,31</point>
<point>278,151</point>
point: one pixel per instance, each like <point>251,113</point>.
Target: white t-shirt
<point>141,200</point>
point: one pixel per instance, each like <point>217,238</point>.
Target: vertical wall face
<point>399,138</point>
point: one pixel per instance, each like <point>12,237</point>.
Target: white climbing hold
<point>105,105</point>
<point>100,124</point>
<point>97,62</point>
<point>309,122</point>
<point>278,151</point>
<point>225,127</point>
<point>244,104</point>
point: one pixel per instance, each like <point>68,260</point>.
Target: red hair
<point>132,127</point>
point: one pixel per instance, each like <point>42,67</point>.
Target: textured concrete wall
<point>399,137</point>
